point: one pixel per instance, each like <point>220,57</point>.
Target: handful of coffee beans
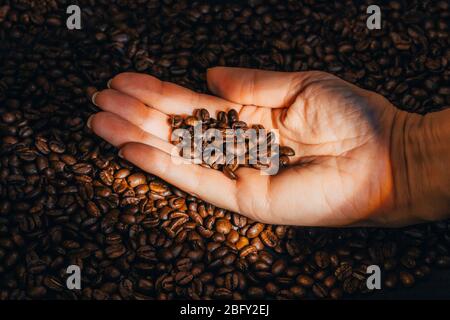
<point>226,143</point>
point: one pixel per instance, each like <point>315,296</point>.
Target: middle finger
<point>133,110</point>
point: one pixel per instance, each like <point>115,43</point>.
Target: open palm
<point>341,173</point>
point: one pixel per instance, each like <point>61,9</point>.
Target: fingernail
<point>120,154</point>
<point>109,83</point>
<point>93,98</point>
<point>88,123</point>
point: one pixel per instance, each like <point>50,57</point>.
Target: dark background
<point>407,61</point>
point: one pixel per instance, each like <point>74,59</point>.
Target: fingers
<point>207,184</point>
<point>119,131</point>
<point>254,87</point>
<point>167,97</point>
<point>131,109</point>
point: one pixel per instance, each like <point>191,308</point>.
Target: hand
<point>341,175</point>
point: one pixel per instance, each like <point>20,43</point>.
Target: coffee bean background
<point>66,198</point>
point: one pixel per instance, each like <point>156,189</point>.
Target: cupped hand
<point>341,174</point>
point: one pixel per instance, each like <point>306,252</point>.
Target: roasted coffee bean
<point>322,259</point>
<point>305,281</point>
<point>319,290</point>
<point>238,220</point>
<point>406,278</point>
<point>245,251</point>
<point>343,272</point>
<point>233,236</point>
<point>329,281</point>
<point>176,121</point>
<point>136,179</point>
<point>391,280</point>
<point>37,292</point>
<point>92,209</point>
<point>254,230</point>
<point>298,291</point>
<point>222,293</point>
<point>241,243</point>
<point>183,278</point>
<point>158,187</point>
<point>122,173</point>
<point>286,151</point>
<point>257,243</point>
<point>279,267</point>
<point>336,293</point>
<point>443,261</point>
<point>223,226</point>
<point>320,275</point>
<point>269,238</point>
<point>115,251</point>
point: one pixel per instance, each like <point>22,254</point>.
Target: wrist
<point>421,165</point>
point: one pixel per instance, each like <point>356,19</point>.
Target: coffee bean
<point>319,290</point>
<point>255,230</point>
<point>176,121</point>
<point>336,293</point>
<point>343,272</point>
<point>37,292</point>
<point>298,291</point>
<point>222,293</point>
<point>92,209</point>
<point>257,243</point>
<point>233,236</point>
<point>406,279</point>
<point>322,259</point>
<point>279,267</point>
<point>269,238</point>
<point>443,261</point>
<point>122,173</point>
<point>286,151</point>
<point>115,251</point>
<point>183,278</point>
<point>305,281</point>
<point>157,187</point>
<point>245,251</point>
<point>136,179</point>
<point>241,243</point>
<point>329,281</point>
<point>223,226</point>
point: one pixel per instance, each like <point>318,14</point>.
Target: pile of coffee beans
<point>226,143</point>
<point>67,199</point>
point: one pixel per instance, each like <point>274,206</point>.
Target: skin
<point>359,160</point>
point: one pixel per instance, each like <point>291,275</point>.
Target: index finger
<point>168,97</point>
